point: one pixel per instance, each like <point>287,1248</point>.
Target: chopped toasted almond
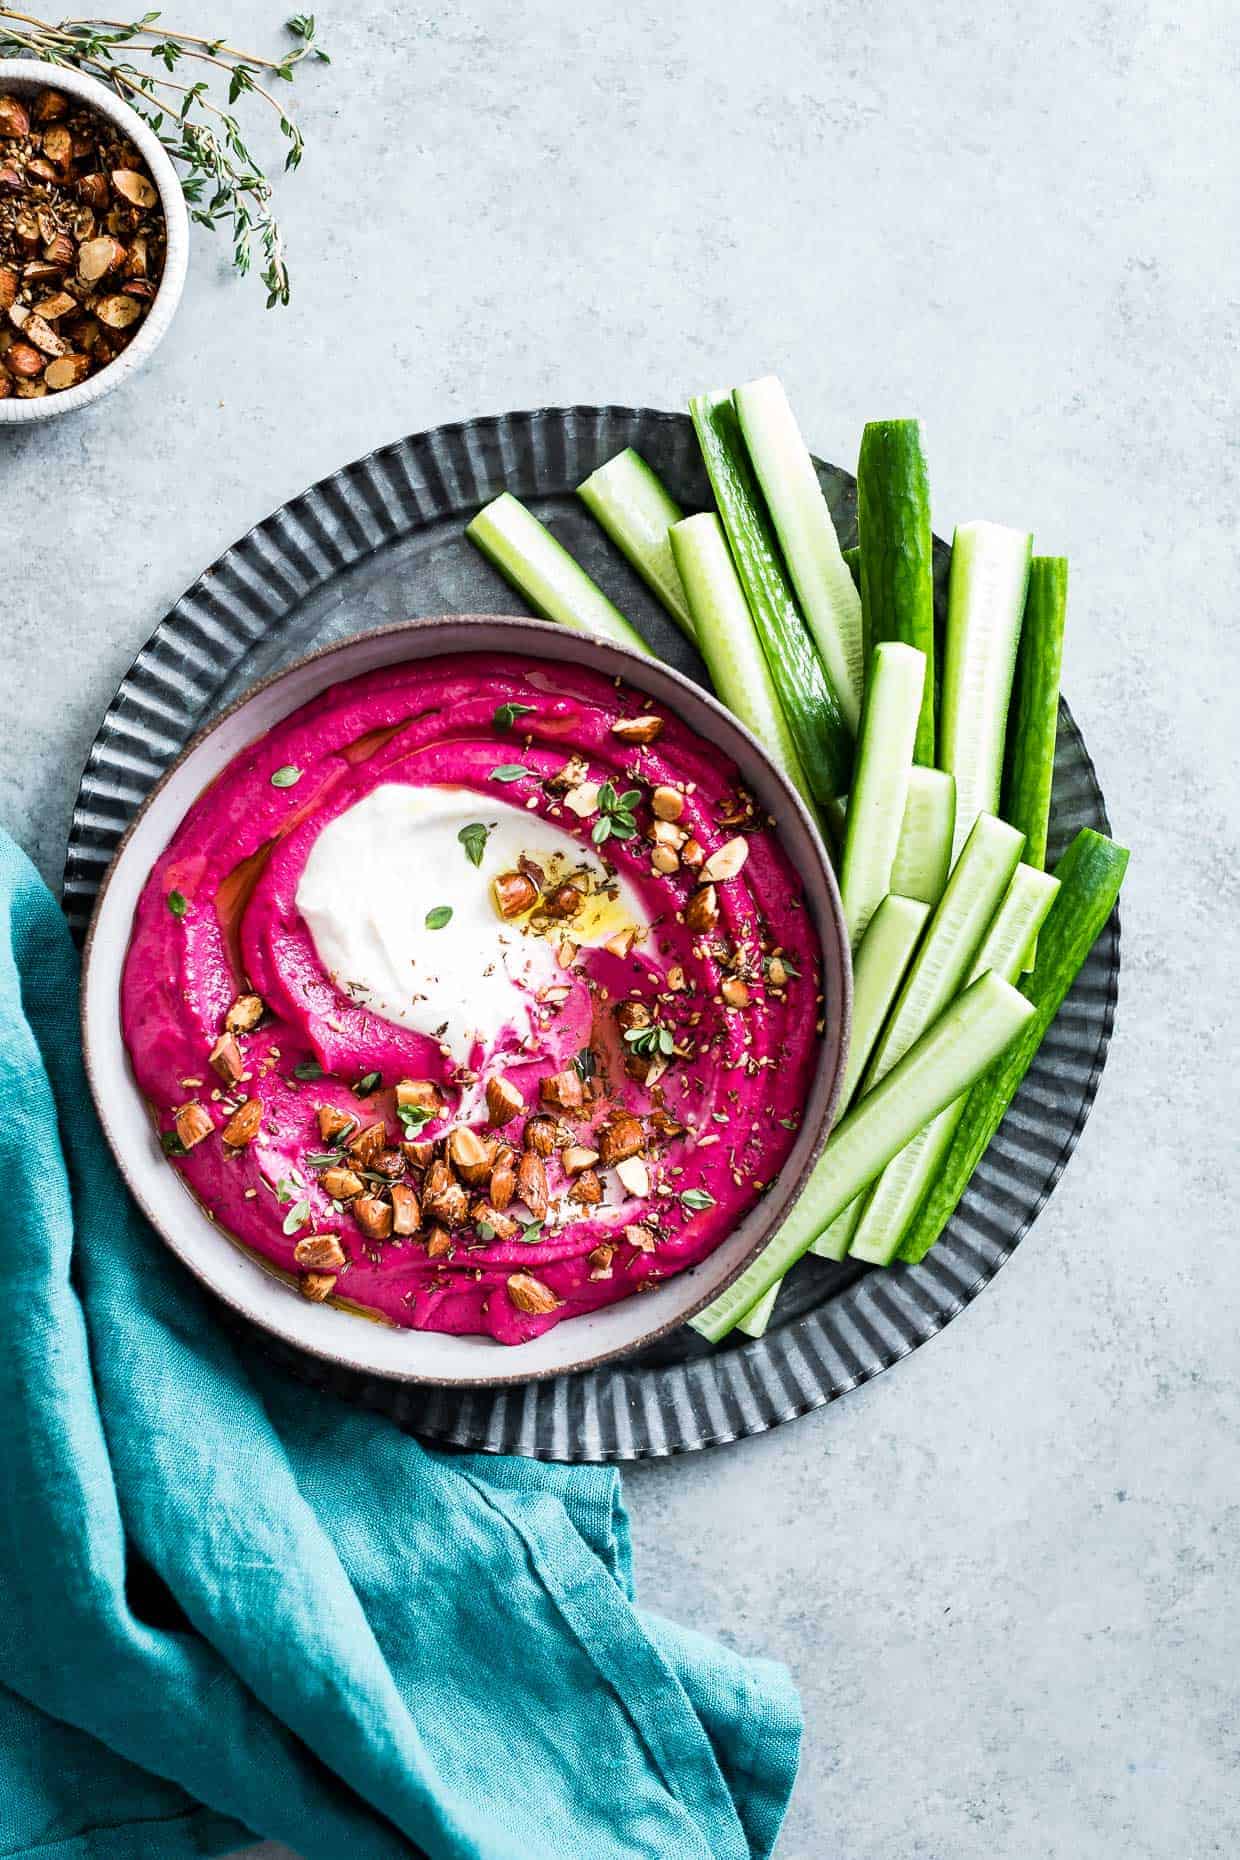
<point>635,1175</point>
<point>532,1183</point>
<point>734,992</point>
<point>676,979</point>
<point>388,1163</point>
<point>642,729</point>
<point>131,186</point>
<point>692,853</point>
<point>576,1158</point>
<point>573,773</point>
<point>419,1095</point>
<point>406,1213</point>
<point>419,1152</point>
<point>725,862</point>
<point>225,1059</point>
<point>503,1185</point>
<point>243,1126</point>
<point>503,1100</point>
<point>52,308</point>
<point>373,1216</point>
<point>622,1135</point>
<point>14,117</point>
<point>316,1286</point>
<point>539,1134</point>
<point>469,1155</point>
<point>667,833</point>
<point>8,287</point>
<point>664,860</point>
<point>563,1090</point>
<point>438,1242</point>
<point>96,257</point>
<point>49,106</point>
<point>514,894</point>
<point>118,310</point>
<point>702,911</point>
<point>244,1014</point>
<point>193,1123</point>
<point>776,973</point>
<point>665,1125</point>
<point>341,1183</point>
<point>443,1198</point>
<point>583,799</point>
<point>565,901</point>
<point>333,1123</point>
<point>322,1252</point>
<point>92,189</point>
<point>23,361</point>
<point>60,251</point>
<point>620,944</point>
<point>641,1238</point>
<point>502,1225</point>
<point>44,337</point>
<point>599,1261</point>
<point>530,1295</point>
<point>368,1143</point>
<point>632,1014</point>
<point>586,1189</point>
<point>667,803</point>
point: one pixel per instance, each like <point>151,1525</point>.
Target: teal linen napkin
<point>231,1606</point>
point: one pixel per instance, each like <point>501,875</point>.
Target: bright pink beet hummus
<point>739,1000</point>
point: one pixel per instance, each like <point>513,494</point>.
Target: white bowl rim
<point>238,1276</point>
<point>24,75</point>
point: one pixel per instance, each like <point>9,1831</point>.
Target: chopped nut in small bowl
<point>94,238</point>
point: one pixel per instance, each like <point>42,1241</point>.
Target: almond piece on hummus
<point>563,1090</point>
<point>243,1126</point>
<point>503,1100</point>
<point>373,1216</point>
<point>316,1286</point>
<point>643,729</point>
<point>621,1136</point>
<point>225,1059</point>
<point>320,1252</point>
<point>244,1014</point>
<point>469,1155</point>
<point>532,1183</point>
<point>530,1295</point>
<point>193,1123</point>
<point>406,1214</point>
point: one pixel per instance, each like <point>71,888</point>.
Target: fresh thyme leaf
<point>601,830</point>
<point>297,1216</point>
<point>667,1041</point>
<point>646,1041</point>
<point>790,1123</point>
<point>286,1189</point>
<point>322,1159</point>
<point>484,1230</point>
<point>615,811</point>
<point>224,185</point>
<point>370,1081</point>
<point>287,777</point>
<point>474,839</point>
<point>307,1070</point>
<point>171,1144</point>
<point>178,903</point>
<point>412,1117</point>
<point>441,915</point>
<point>530,1231</point>
<point>507,715</point>
<point>510,771</point>
<point>697,1198</point>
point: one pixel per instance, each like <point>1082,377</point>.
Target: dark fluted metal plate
<point>382,540</point>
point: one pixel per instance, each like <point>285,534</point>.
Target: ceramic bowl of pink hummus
<point>469,1003</point>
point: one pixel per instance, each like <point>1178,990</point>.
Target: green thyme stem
<point>223,184</point>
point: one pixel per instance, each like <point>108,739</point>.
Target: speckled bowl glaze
<point>255,1290</point>
<point>24,76</point>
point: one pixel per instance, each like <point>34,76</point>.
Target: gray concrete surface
<point>1004,1574</point>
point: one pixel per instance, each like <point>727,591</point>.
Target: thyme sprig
<point>223,184</point>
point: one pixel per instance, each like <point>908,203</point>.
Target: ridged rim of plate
<point>624,1410</point>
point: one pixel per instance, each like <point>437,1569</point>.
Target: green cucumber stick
<point>897,551</point>
<point>825,590</point>
<point>890,1205</point>
<point>944,1062</point>
<point>528,555</point>
<point>879,793</point>
<point>1090,874</point>
<point>985,602</point>
<point>819,728</point>
<point>1034,718</point>
<point>924,853</point>
<point>728,640</point>
<point>631,502</point>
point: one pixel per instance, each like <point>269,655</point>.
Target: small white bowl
<point>22,77</point>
